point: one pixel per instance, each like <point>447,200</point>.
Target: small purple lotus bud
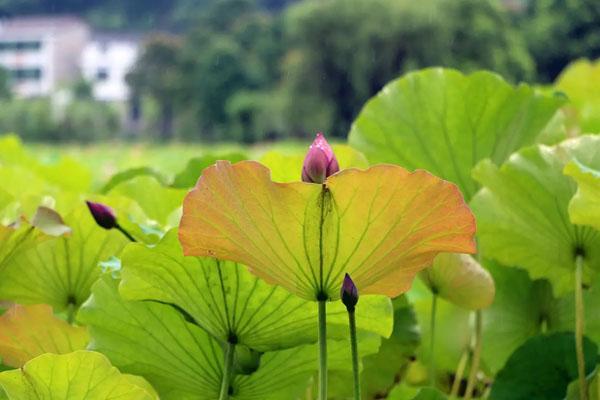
<point>320,162</point>
<point>349,293</point>
<point>103,215</point>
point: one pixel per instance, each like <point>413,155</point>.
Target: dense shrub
<point>43,119</point>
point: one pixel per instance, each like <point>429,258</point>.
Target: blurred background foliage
<point>254,70</point>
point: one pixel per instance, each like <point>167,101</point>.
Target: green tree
<point>344,51</point>
<point>234,48</point>
<point>5,92</point>
<point>559,31</point>
<point>157,73</point>
<point>82,89</point>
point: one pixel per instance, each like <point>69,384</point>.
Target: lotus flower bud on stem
<point>320,162</point>
<point>103,215</point>
<point>349,296</point>
<point>105,218</point>
<point>349,293</point>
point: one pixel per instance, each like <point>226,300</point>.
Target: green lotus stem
<point>354,346</point>
<point>460,370</point>
<point>579,327</point>
<point>71,310</point>
<point>432,340</point>
<point>322,350</point>
<point>227,371</point>
<point>124,232</point>
<point>476,355</point>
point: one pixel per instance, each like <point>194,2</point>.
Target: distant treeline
<point>250,70</point>
<point>125,14</point>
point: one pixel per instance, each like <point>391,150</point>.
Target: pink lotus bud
<point>103,215</point>
<point>320,162</point>
<point>349,293</point>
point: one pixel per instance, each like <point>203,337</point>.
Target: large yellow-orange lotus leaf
<point>29,331</point>
<point>381,225</point>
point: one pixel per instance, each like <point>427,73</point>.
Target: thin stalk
<point>322,350</point>
<point>227,371</point>
<point>354,346</point>
<point>579,327</point>
<point>71,309</point>
<point>432,341</point>
<point>476,355</point>
<point>460,370</point>
<point>124,232</point>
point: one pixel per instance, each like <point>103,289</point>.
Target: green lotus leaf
<point>225,299</point>
<point>562,314</point>
<point>460,279</point>
<point>12,151</point>
<point>448,348</point>
<point>584,207</point>
<point>284,167</point>
<point>521,310</point>
<point>14,240</point>
<point>131,217</point>
<point>21,236</point>
<point>524,308</point>
<point>542,368</point>
<point>593,387</point>
<point>60,271</point>
<point>81,375</point>
<point>28,191</point>
<point>188,177</point>
<point>159,202</point>
<point>556,131</point>
<point>522,212</point>
<point>182,361</point>
<point>403,391</point>
<point>287,166</point>
<point>446,122</point>
<point>430,394</point>
<point>128,174</point>
<point>29,331</point>
<point>580,81</point>
<point>382,369</point>
<point>64,173</point>
<point>381,225</point>
<point>5,199</point>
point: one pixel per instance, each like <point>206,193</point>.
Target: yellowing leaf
<point>29,331</point>
<point>381,225</point>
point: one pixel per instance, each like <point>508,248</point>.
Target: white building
<point>41,53</point>
<point>105,61</point>
<point>45,53</point>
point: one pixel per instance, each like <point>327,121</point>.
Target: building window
<point>26,74</point>
<point>30,45</point>
<point>102,74</point>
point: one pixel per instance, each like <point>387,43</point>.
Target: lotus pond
<point>449,249</point>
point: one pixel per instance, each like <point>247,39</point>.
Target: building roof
<point>39,25</point>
